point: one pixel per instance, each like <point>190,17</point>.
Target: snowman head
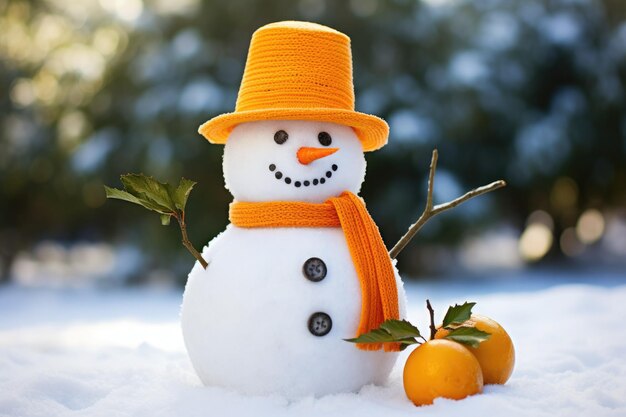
<point>292,160</point>
<point>295,134</point>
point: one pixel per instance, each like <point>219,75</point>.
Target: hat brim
<point>371,130</point>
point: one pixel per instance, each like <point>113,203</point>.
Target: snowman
<point>301,266</point>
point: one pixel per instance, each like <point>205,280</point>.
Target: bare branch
<point>430,211</point>
<point>431,179</point>
<point>470,194</point>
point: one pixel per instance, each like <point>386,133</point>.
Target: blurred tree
<point>528,90</point>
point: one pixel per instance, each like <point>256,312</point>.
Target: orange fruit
<point>496,355</point>
<point>441,368</point>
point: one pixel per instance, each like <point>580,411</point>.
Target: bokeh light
<point>535,242</point>
<point>564,195</point>
<point>590,226</point>
<point>570,244</point>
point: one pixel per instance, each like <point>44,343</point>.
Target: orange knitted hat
<point>298,71</point>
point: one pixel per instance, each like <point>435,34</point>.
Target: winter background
<point>531,91</point>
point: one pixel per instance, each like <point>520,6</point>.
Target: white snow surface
<point>120,353</point>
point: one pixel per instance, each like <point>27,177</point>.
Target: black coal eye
<point>281,137</point>
<point>324,138</point>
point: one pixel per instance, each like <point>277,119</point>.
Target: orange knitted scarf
<point>369,254</point>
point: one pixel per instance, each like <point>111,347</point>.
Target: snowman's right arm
<point>208,251</point>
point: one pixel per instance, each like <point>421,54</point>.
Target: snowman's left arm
<point>431,211</point>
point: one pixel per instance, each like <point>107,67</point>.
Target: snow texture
<point>251,149</point>
<point>120,353</point>
<point>243,309</point>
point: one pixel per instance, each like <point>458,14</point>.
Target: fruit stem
<point>433,330</point>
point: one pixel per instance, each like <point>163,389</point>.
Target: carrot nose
<point>308,155</point>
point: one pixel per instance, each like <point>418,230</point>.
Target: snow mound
<point>83,353</point>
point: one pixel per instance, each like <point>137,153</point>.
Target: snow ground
<point>120,353</point>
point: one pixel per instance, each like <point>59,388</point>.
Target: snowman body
<point>249,319</point>
<point>245,318</point>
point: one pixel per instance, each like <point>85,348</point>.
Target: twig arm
<point>187,243</point>
<point>430,211</point>
<point>431,179</point>
<point>470,194</point>
<point>423,218</point>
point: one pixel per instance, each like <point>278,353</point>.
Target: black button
<point>320,324</point>
<point>314,269</point>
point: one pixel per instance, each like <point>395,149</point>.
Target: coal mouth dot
<point>299,183</point>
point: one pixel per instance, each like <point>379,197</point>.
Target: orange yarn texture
<point>298,71</point>
<point>379,293</point>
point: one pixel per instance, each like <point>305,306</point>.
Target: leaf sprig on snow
<point>456,321</point>
<point>458,314</point>
<point>466,335</point>
<point>397,331</point>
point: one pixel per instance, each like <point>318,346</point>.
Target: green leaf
<point>126,196</point>
<point>165,219</point>
<point>181,194</point>
<point>121,195</point>
<point>407,342</point>
<point>470,336</point>
<point>400,329</point>
<point>153,195</point>
<point>458,314</point>
<point>374,336</point>
<point>397,331</point>
<point>150,190</point>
